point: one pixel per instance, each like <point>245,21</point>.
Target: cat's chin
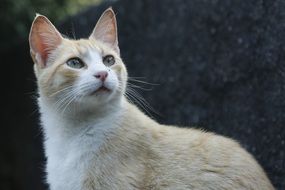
<point>99,100</point>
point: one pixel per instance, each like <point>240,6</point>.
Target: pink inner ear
<point>41,48</point>
<point>106,30</point>
<point>44,38</point>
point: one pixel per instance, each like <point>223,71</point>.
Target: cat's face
<point>86,72</point>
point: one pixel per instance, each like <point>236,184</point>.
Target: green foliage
<point>16,16</point>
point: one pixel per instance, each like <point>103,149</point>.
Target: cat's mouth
<point>101,89</point>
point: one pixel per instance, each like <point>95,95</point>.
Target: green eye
<point>75,63</point>
<point>109,60</point>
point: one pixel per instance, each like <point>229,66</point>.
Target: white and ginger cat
<point>96,139</point>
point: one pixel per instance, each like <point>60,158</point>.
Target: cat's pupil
<point>75,63</point>
<point>109,60</point>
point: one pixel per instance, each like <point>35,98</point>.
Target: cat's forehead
<point>86,47</point>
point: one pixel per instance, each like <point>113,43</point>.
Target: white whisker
<point>136,97</point>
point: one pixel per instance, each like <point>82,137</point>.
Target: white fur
<point>70,144</point>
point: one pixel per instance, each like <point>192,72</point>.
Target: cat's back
<point>193,159</point>
<point>172,157</point>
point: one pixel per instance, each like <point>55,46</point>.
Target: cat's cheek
<point>111,83</point>
<point>59,81</point>
<point>121,74</point>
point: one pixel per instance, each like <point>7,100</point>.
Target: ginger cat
<point>96,139</point>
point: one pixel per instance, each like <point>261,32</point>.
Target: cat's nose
<point>102,75</point>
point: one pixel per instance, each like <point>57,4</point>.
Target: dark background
<point>219,65</point>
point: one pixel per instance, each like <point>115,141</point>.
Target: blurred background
<point>212,64</point>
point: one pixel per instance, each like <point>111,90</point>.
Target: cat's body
<point>96,139</point>
<point>138,153</point>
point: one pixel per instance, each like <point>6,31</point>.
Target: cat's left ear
<point>106,30</point>
<point>44,38</point>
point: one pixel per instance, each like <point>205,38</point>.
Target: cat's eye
<point>109,60</point>
<point>75,63</point>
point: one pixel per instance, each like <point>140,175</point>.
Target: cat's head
<point>86,72</point>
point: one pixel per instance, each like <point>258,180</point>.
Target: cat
<point>94,138</point>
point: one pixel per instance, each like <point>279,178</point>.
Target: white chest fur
<point>71,144</point>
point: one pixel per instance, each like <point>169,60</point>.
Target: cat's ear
<point>43,39</point>
<point>106,30</point>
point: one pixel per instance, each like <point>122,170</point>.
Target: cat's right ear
<point>106,30</point>
<point>43,39</point>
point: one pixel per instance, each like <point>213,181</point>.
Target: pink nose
<point>102,75</point>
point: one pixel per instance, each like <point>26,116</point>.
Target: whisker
<point>143,82</point>
<point>69,102</point>
<point>141,101</point>
<point>73,31</point>
<point>60,103</point>
<point>129,77</point>
<point>139,87</point>
<point>61,90</point>
<point>31,92</point>
<point>72,96</point>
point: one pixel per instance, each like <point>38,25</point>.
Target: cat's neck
<point>102,118</point>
